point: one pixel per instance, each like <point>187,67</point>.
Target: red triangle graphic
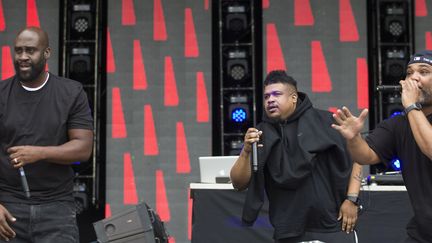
<point>265,4</point>
<point>107,210</point>
<point>129,186</point>
<point>32,14</point>
<point>275,58</point>
<point>183,162</point>
<point>428,41</point>
<point>7,68</point>
<point>162,204</point>
<point>110,54</point>
<point>303,13</point>
<point>333,109</point>
<point>2,18</point>
<point>420,8</point>
<point>170,93</point>
<point>190,203</point>
<point>347,24</point>
<point>202,105</point>
<point>191,44</point>
<point>139,73</point>
<point>150,139</point>
<point>321,81</point>
<point>159,28</point>
<point>362,84</point>
<point>118,121</point>
<point>128,12</point>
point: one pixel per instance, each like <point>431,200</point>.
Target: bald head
<point>42,36</point>
<point>31,54</point>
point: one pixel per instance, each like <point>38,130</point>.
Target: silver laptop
<point>215,169</point>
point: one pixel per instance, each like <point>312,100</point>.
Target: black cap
<point>421,57</point>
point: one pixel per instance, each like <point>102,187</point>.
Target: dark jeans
<point>333,237</point>
<point>44,223</point>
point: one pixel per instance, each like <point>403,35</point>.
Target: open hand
<point>347,124</point>
<point>6,232</point>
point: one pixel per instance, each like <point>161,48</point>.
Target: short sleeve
<point>382,139</point>
<point>80,114</point>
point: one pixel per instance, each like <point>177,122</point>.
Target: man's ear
<point>47,52</point>
<point>295,97</point>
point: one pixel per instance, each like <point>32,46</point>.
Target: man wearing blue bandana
<point>409,137</point>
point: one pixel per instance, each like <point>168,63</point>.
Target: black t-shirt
<point>393,138</point>
<point>40,118</point>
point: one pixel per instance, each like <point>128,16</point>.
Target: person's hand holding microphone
<point>411,91</point>
<point>17,162</point>
<point>251,140</point>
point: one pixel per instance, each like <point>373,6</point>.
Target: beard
<point>31,74</point>
<point>426,97</point>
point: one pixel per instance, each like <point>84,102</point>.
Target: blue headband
<point>421,57</point>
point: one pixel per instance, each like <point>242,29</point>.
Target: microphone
<point>389,88</point>
<point>24,182</point>
<point>254,157</point>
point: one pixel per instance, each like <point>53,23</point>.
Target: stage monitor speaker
<point>132,225</point>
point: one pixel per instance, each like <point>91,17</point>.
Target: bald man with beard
<point>45,126</point>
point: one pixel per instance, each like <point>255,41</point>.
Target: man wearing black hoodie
<point>303,167</point>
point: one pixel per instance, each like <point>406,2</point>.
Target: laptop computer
<point>216,169</point>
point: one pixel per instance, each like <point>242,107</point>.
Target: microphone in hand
<point>389,88</point>
<point>254,157</point>
<point>23,179</point>
<point>24,182</point>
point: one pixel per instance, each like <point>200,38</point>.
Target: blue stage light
<point>396,113</point>
<point>396,164</point>
<point>239,115</point>
<point>392,106</point>
<point>238,118</point>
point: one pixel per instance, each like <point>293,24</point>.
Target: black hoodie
<point>304,169</point>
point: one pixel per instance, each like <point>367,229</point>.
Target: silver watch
<point>415,106</point>
<point>354,199</point>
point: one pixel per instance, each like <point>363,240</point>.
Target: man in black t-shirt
<point>408,137</point>
<point>45,126</point>
<point>303,168</point>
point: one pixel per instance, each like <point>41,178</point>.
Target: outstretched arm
<point>348,211</point>
<point>350,126</point>
<point>241,171</point>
